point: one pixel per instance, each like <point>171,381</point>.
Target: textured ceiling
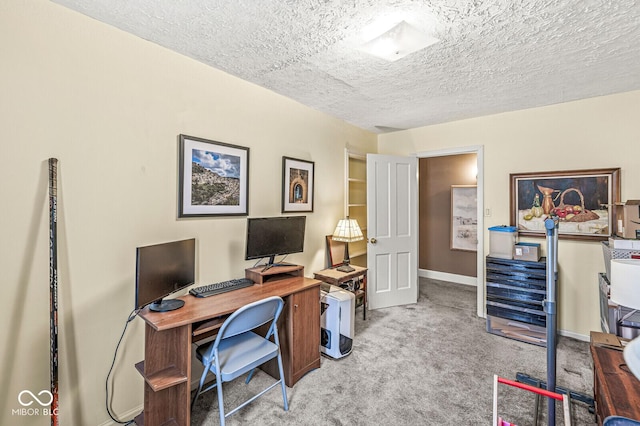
<point>493,56</point>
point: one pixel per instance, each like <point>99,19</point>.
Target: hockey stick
<point>53,286</point>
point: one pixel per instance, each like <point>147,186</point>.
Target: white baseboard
<point>445,276</point>
<point>574,335</point>
<point>122,416</point>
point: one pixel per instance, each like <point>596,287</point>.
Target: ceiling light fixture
<point>398,42</point>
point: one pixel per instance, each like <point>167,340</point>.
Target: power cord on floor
<point>131,317</point>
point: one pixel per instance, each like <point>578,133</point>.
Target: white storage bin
<point>502,239</point>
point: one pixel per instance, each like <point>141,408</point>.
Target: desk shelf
<point>207,328</point>
<point>162,379</point>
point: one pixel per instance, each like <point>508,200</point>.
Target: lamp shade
<point>632,356</point>
<point>348,231</point>
<point>625,282</point>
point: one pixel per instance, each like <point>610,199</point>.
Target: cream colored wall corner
<point>110,107</point>
<point>594,133</point>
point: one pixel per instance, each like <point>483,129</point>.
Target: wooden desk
<point>335,277</point>
<point>168,337</point>
<point>616,390</point>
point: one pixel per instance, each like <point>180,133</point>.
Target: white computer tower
<point>337,307</point>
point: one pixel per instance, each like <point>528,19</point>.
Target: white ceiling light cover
<point>398,42</point>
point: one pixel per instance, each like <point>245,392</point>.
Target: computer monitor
<point>162,269</point>
<point>268,237</point>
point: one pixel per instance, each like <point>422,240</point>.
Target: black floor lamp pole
<point>550,308</point>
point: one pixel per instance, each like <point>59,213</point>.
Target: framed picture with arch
<point>297,185</point>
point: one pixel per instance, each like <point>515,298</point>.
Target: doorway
<point>478,280</point>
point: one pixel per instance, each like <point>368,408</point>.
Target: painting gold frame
<point>582,200</point>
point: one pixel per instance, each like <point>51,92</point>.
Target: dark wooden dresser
<point>616,390</point>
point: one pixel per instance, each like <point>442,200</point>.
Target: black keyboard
<point>221,287</point>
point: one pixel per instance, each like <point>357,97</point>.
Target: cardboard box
<point>527,251</point>
<point>501,241</point>
<point>627,218</point>
<point>608,340</point>
<point>621,243</point>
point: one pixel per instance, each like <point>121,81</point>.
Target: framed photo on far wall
<point>464,217</point>
<point>297,185</point>
<point>213,178</point>
<point>581,199</point>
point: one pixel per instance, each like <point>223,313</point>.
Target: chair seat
<point>240,354</point>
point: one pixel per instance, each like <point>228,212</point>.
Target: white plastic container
<point>502,239</point>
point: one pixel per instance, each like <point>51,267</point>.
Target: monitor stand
<point>260,275</point>
<point>166,305</point>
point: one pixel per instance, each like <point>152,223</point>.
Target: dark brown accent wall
<point>437,174</point>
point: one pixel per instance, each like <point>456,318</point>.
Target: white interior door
<point>392,230</point>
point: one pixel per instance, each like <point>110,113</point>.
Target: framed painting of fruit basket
<point>581,199</point>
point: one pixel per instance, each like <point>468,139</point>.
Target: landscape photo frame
<point>582,200</point>
<point>464,217</point>
<point>213,178</point>
<point>297,185</point>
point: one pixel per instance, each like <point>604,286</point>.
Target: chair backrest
<point>619,421</point>
<point>252,316</point>
<point>336,251</point>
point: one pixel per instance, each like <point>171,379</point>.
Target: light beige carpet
<point>426,364</point>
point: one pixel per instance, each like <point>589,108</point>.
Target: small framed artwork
<point>581,199</point>
<point>464,217</point>
<point>297,185</point>
<point>213,178</point>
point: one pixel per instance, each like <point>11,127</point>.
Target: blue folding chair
<point>619,421</point>
<point>237,350</point>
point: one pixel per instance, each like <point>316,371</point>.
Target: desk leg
<point>364,298</point>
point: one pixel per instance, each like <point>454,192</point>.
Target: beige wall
<point>594,133</point>
<point>110,107</point>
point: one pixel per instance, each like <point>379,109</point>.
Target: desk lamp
<point>347,231</point>
<point>625,291</point>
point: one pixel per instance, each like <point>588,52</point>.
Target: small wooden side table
<point>358,275</point>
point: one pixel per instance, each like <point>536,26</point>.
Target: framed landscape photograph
<point>581,199</point>
<point>464,217</point>
<point>297,185</point>
<point>213,178</point>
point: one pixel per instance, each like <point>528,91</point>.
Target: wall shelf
<point>356,200</point>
